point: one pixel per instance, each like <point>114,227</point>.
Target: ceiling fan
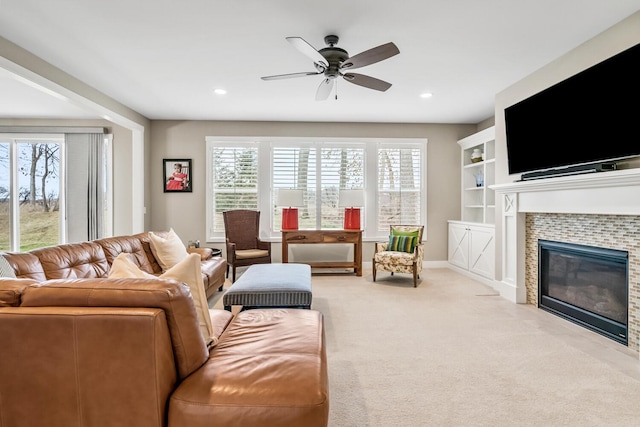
<point>332,62</point>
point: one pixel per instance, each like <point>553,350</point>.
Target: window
<point>29,192</point>
<point>233,181</point>
<point>320,171</point>
<point>246,174</point>
<point>42,173</point>
<point>399,181</point>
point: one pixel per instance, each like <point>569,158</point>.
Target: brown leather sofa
<point>93,259</point>
<point>95,351</point>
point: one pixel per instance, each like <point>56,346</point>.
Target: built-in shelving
<point>478,200</point>
<point>471,240</point>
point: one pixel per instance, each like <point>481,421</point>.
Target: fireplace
<point>597,210</point>
<point>585,284</point>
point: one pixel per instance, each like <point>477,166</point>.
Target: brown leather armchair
<point>244,247</point>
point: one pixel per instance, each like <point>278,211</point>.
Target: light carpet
<point>452,353</point>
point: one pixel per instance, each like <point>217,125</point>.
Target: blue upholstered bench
<point>285,285</point>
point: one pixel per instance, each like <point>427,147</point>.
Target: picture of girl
<point>178,181</point>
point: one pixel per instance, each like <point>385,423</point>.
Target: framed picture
<point>177,175</point>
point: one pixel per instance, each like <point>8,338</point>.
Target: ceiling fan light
<point>329,61</point>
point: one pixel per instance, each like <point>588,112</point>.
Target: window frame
<point>317,145</point>
<point>266,188</point>
<point>14,140</point>
<point>379,231</point>
<point>211,144</point>
<point>102,176</point>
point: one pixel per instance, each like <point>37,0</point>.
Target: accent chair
<point>403,253</point>
<point>244,247</point>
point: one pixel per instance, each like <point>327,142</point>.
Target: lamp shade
<point>350,198</point>
<point>289,197</point>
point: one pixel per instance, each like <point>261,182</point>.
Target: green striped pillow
<point>402,243</point>
<point>405,233</point>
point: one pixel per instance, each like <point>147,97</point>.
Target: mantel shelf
<point>619,178</point>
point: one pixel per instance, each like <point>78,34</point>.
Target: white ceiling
<point>163,58</point>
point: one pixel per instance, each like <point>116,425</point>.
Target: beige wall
<point>616,39</point>
<point>130,132</point>
<point>185,212</point>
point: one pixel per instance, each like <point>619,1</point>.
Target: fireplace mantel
<point>612,193</point>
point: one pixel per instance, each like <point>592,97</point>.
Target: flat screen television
<point>591,117</point>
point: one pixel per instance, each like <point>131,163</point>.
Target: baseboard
<point>435,264</point>
<point>425,264</point>
<point>489,282</point>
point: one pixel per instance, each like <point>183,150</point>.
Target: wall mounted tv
<point>591,117</point>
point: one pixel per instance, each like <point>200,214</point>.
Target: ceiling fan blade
<point>371,56</point>
<point>304,47</point>
<point>289,76</point>
<point>324,89</point>
<point>367,81</point>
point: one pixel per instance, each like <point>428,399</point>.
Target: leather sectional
<point>80,349</point>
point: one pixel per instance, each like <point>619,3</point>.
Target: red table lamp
<point>291,198</point>
<point>351,200</point>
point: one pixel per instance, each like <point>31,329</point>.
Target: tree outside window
<point>36,202</point>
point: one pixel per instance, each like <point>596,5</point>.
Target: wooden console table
<point>354,237</point>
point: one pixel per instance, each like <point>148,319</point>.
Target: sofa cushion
<point>186,271</point>
<point>173,297</point>
<point>85,366</point>
<point>25,265</point>
<point>114,246</point>
<point>73,261</point>
<point>11,291</point>
<point>269,366</point>
<point>168,250</point>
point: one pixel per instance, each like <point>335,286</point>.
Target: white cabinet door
<point>481,252</point>
<point>459,245</point>
<point>472,248</point>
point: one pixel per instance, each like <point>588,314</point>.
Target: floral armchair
<point>403,253</point>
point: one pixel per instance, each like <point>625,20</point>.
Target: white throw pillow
<point>186,271</point>
<point>5,268</point>
<point>168,250</point>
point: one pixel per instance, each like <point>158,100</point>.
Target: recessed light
<point>426,95</point>
<point>219,91</point>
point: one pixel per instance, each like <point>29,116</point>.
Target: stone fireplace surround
<point>599,209</point>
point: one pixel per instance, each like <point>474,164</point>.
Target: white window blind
<point>235,180</point>
<point>295,168</point>
<point>342,168</point>
<point>399,183</point>
<point>320,171</point>
<point>248,173</point>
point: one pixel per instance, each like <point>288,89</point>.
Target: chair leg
<point>227,270</point>
<point>415,278</point>
<point>373,265</point>
<point>233,277</point>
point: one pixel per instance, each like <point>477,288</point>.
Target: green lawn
<point>37,228</point>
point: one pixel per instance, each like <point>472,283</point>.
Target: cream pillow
<point>168,250</point>
<point>186,271</point>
